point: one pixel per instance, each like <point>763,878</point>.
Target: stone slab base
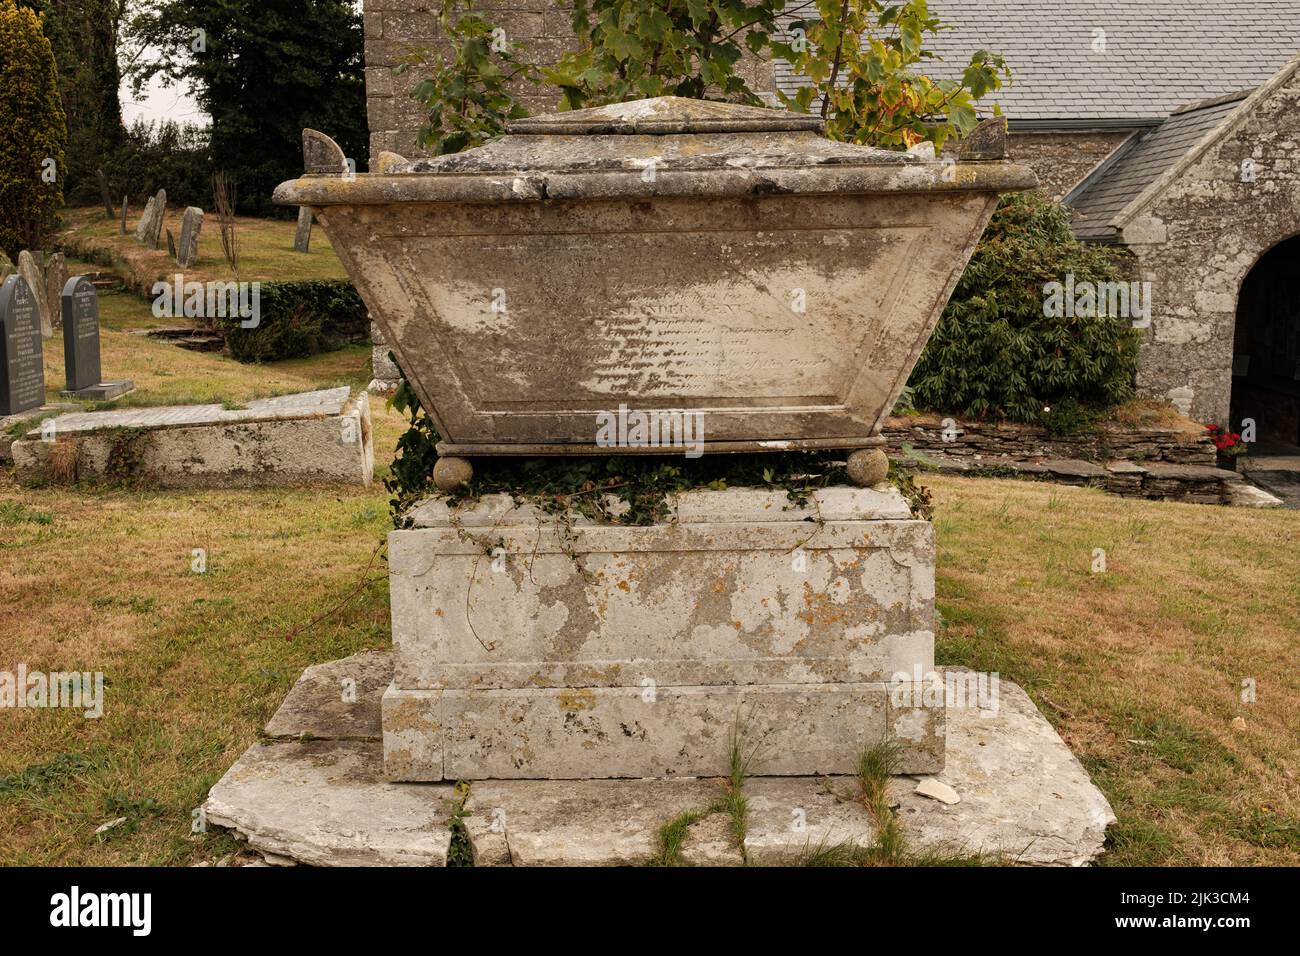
<point>1023,799</point>
<point>529,647</point>
<point>33,415</point>
<point>322,437</point>
<point>549,733</point>
<point>324,803</point>
<point>103,392</point>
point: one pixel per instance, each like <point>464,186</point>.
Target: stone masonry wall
<point>1201,237</point>
<point>1062,160</point>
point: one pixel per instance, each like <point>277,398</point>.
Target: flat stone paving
<point>1024,799</point>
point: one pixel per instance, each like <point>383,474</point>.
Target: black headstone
<point>22,359</point>
<point>80,334</point>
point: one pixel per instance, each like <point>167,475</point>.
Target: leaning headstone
<point>56,277</point>
<point>191,226</point>
<point>81,344</point>
<point>149,231</point>
<point>171,244</point>
<point>124,205</point>
<point>22,360</point>
<point>142,227</point>
<point>30,267</point>
<point>159,215</point>
<point>302,238</point>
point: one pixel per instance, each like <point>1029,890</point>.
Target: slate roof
<point>1141,162</point>
<point>1160,54</point>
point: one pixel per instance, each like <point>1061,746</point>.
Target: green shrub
<point>297,319</point>
<point>33,130</point>
<point>995,354</point>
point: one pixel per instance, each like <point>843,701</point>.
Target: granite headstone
<point>80,304</point>
<point>80,333</point>
<point>22,360</point>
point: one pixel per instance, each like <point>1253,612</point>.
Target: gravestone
<point>142,227</point>
<point>22,368</point>
<point>125,203</point>
<point>191,226</point>
<point>302,238</point>
<point>80,309</point>
<point>149,231</point>
<point>31,268</point>
<point>171,244</point>
<point>56,277</point>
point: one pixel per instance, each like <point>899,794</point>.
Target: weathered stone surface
<point>450,473</point>
<point>339,700</point>
<point>34,272</point>
<point>792,819</point>
<point>868,467</point>
<point>56,277</point>
<point>1024,795</point>
<point>1073,468</point>
<point>324,803</point>
<point>592,732</point>
<point>32,415</point>
<point>149,231</point>
<point>143,227</point>
<point>539,648</point>
<point>857,249</point>
<point>302,236</point>
<point>1244,495</point>
<point>1025,799</point>
<point>314,437</point>
<point>187,253</point>
<point>386,375</point>
<point>6,267</point>
<point>769,597</point>
<point>582,822</point>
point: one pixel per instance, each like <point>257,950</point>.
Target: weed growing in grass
<point>43,779</point>
<point>15,512</point>
<point>134,809</point>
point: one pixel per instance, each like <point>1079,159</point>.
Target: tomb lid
<point>664,115</point>
<point>665,146</point>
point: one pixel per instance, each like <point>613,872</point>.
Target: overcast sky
<point>161,103</point>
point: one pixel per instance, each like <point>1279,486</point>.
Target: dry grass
<point>1139,668</point>
<point>265,249</point>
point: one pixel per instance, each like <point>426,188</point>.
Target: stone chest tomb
<point>670,256</point>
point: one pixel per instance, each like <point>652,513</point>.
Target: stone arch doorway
<point>1266,347</point>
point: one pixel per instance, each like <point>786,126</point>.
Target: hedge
<point>297,319</point>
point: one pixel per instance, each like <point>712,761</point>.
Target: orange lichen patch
<point>582,698</point>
